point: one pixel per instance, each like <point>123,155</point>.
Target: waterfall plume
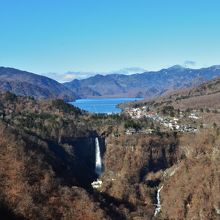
<point>98,160</point>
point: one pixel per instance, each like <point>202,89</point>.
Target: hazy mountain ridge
<point>148,84</point>
<point>29,84</point>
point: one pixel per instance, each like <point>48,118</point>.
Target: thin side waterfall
<point>158,205</point>
<point>98,159</point>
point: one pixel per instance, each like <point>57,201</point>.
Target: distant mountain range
<point>28,84</point>
<point>147,84</point>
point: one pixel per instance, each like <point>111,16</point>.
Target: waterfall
<point>98,165</point>
<point>158,205</point>
<point>98,160</point>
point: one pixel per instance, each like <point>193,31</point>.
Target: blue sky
<point>79,36</point>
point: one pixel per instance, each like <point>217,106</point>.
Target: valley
<point>110,110</point>
<point>149,156</point>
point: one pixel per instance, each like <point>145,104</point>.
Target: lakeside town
<point>181,122</point>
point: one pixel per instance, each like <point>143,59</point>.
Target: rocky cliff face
<point>192,191</point>
<point>185,167</point>
<point>130,164</point>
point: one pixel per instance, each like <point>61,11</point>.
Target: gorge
<point>59,153</point>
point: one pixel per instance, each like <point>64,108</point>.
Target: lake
<point>102,105</point>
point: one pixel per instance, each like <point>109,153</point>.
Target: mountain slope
<point>28,84</point>
<point>43,163</point>
<point>206,95</point>
<point>148,84</point>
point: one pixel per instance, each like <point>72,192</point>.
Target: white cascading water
<point>98,159</point>
<point>158,205</point>
<point>98,165</point>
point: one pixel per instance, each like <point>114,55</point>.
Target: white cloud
<point>71,75</point>
<point>68,76</point>
<point>130,70</point>
<point>189,63</point>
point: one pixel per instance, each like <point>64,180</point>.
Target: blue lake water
<point>102,105</point>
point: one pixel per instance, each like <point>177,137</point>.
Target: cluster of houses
<point>136,113</point>
<point>143,131</point>
<point>172,123</point>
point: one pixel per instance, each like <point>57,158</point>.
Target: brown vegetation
<point>47,159</point>
<point>193,191</point>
